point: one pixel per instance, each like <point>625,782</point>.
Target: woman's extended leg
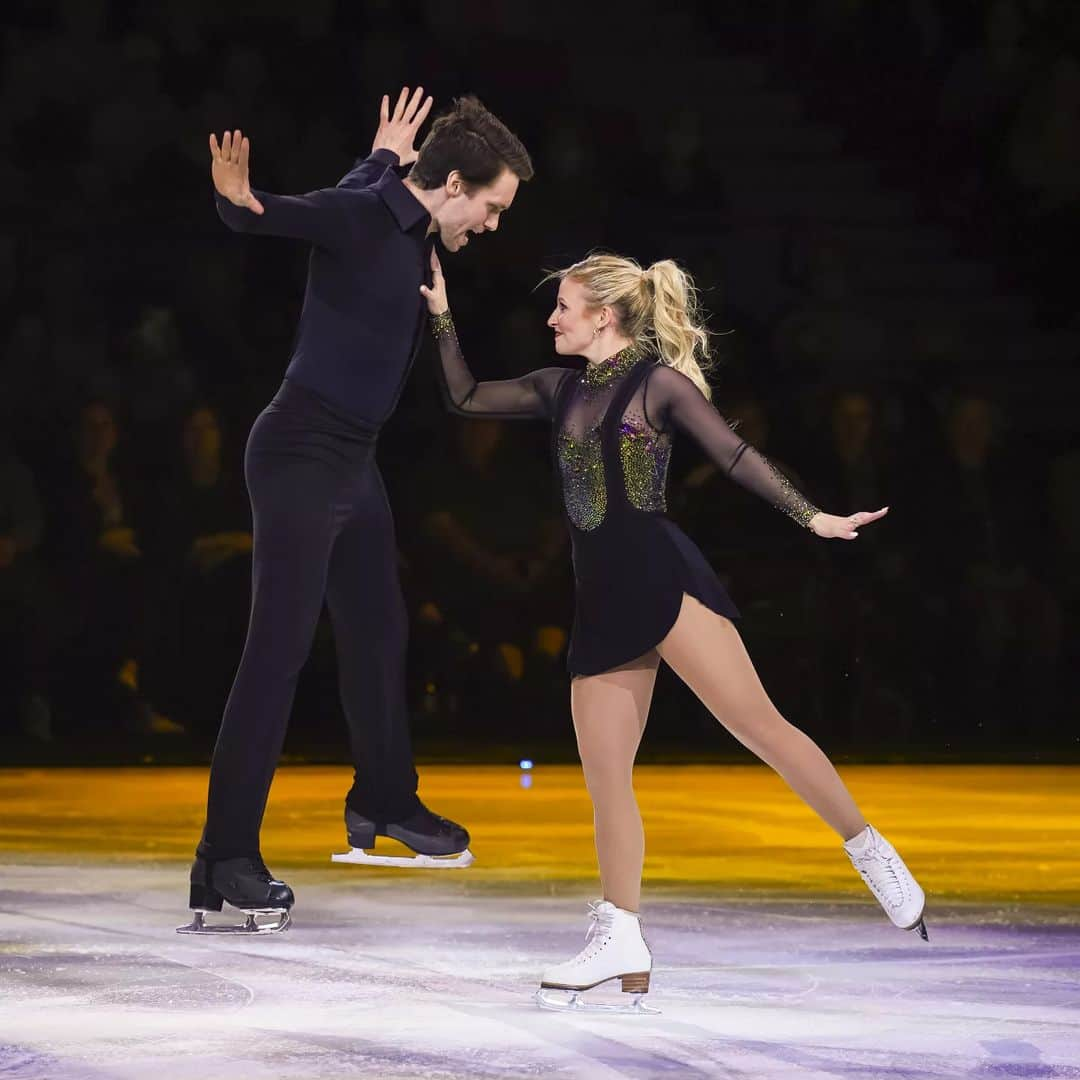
<point>704,649</point>
<point>610,711</point>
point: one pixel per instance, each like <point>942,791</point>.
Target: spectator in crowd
<point>96,548</point>
<point>1001,623</point>
<point>872,660</point>
<point>492,602</point>
<point>199,536</point>
<point>826,335</point>
<point>28,623</point>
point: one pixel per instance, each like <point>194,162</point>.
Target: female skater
<point>644,591</point>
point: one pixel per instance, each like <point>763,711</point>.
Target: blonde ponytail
<point>657,308</point>
<point>679,336</point>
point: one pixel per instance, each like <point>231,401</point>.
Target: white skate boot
<point>614,949</point>
<point>888,879</point>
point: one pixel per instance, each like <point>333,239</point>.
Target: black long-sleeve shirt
<point>363,316</point>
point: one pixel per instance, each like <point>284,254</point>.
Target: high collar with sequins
<point>607,371</point>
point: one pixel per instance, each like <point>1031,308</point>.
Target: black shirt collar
<point>408,211</point>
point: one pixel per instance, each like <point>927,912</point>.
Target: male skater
<point>323,528</point>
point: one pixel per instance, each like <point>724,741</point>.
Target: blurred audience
<point>125,550</point>
<point>200,538</point>
<point>28,622</point>
<point>492,601</point>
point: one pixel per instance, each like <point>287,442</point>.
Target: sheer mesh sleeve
<point>531,395</point>
<point>672,400</point>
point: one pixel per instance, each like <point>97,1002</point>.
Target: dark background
<point>878,200</point>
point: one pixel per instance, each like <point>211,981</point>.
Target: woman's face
<point>572,320</point>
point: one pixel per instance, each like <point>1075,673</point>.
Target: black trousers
<point>323,529</point>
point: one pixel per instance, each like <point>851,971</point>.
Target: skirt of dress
<point>631,573</point>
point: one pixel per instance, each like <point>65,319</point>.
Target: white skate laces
<point>614,949</point>
<point>601,921</point>
<point>889,879</point>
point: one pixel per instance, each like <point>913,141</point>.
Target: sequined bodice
<point>643,452</point>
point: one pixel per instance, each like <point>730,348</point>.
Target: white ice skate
<point>888,879</point>
<point>615,948</point>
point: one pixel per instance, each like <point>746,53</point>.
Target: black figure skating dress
<point>612,429</point>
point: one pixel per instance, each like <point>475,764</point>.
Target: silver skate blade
<point>251,925</point>
<point>411,862</point>
<point>574,1002</point>
<point>920,926</point>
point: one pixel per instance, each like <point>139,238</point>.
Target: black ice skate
<point>247,885</point>
<point>439,844</point>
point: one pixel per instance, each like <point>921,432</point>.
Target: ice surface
<point>418,976</point>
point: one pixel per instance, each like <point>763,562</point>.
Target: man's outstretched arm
<point>318,217</point>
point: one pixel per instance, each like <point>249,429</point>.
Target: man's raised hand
<point>397,132</point>
<point>229,169</point>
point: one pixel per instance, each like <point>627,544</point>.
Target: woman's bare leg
<point>704,649</point>
<point>610,711</point>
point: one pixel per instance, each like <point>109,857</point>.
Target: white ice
<point>409,974</point>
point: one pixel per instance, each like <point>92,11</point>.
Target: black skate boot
<point>247,885</point>
<point>438,842</point>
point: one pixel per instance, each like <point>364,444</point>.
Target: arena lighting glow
<point>526,763</point>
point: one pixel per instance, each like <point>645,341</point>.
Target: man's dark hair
<point>473,141</point>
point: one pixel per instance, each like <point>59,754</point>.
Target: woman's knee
<point>758,725</point>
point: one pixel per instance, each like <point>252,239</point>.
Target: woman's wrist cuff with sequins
<point>442,325</point>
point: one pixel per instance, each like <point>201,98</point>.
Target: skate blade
<point>251,925</point>
<point>920,928</point>
<point>410,862</point>
<point>573,1002</point>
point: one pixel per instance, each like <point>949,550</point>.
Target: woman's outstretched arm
<point>671,399</point>
<point>531,395</point>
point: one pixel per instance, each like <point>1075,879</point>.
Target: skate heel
<point>204,898</point>
<point>637,983</point>
<point>362,835</point>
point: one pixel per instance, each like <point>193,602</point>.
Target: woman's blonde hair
<point>657,307</point>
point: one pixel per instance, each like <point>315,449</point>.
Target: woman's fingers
<point>402,101</point>
<point>215,149</point>
<point>245,151</point>
<point>865,517</point>
<point>436,266</point>
<point>384,109</point>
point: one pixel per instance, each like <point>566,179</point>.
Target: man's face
<point>476,212</point>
